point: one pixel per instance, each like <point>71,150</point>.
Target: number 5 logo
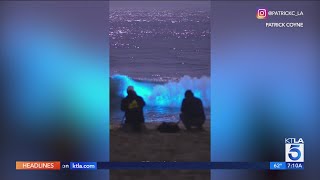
<point>294,149</point>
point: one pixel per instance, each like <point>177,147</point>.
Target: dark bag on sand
<point>168,127</point>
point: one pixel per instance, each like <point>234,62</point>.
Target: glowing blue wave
<point>168,94</point>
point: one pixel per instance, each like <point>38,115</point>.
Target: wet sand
<point>151,145</point>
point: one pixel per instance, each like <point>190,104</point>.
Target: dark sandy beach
<point>153,146</point>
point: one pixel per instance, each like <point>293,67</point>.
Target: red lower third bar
<point>37,165</point>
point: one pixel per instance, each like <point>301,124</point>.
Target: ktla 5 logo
<point>294,150</point>
<point>262,13</point>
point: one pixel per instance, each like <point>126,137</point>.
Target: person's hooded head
<point>130,91</point>
<point>188,94</point>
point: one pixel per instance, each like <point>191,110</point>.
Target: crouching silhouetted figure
<point>133,105</point>
<point>192,112</point>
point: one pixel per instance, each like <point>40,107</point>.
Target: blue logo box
<point>83,165</point>
<point>278,166</point>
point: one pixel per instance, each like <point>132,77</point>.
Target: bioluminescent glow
<point>50,71</point>
<point>168,94</point>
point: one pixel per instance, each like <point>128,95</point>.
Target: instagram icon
<point>262,13</point>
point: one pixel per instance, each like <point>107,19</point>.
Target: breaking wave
<point>165,94</point>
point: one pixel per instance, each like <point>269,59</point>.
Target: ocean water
<point>162,53</point>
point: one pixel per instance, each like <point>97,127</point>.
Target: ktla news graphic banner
<point>57,165</point>
<point>294,155</point>
<point>294,160</point>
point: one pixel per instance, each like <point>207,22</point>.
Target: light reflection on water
<point>155,114</point>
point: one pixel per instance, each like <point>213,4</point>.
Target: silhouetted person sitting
<point>192,112</point>
<point>133,105</point>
